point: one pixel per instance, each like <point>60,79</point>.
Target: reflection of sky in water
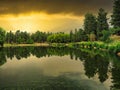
<point>35,69</point>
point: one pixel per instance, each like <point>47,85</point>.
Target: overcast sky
<point>76,8</point>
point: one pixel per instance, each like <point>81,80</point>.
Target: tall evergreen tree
<point>76,35</point>
<point>82,35</point>
<point>102,23</point>
<point>116,14</point>
<point>10,37</point>
<point>2,36</point>
<point>90,24</point>
<point>71,36</point>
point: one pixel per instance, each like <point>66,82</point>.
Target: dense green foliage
<point>58,38</point>
<point>2,36</point>
<point>78,35</point>
<point>116,14</point>
<point>39,36</point>
<point>10,38</point>
<point>90,24</point>
<point>21,37</point>
<point>102,23</point>
<point>115,31</point>
<point>113,48</point>
<point>105,36</point>
<point>17,37</point>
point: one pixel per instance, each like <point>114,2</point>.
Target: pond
<point>48,68</point>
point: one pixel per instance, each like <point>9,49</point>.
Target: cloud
<point>76,7</point>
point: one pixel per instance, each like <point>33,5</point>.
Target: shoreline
<point>23,45</point>
<point>112,48</point>
<point>37,44</point>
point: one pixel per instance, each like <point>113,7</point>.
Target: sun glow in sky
<point>42,22</point>
<point>48,15</point>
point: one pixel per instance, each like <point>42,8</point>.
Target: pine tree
<point>102,23</point>
<point>116,14</point>
<point>2,36</point>
<point>90,24</point>
<point>71,36</point>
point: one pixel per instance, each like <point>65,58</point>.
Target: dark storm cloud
<point>77,7</point>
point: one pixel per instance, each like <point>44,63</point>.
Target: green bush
<point>117,48</point>
<point>30,41</point>
<point>115,31</point>
<point>106,36</point>
<point>112,49</point>
<point>58,38</point>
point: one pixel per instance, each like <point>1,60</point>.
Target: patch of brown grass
<point>115,38</point>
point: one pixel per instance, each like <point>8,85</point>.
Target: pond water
<point>48,68</point>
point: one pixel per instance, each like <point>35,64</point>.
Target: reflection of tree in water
<point>9,52</point>
<point>94,63</point>
<point>98,64</point>
<point>18,52</point>
<point>58,51</point>
<point>22,52</point>
<point>2,57</point>
<point>116,77</point>
<point>90,66</point>
<point>39,52</point>
<point>25,52</point>
<point>102,65</point>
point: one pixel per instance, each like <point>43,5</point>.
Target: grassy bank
<point>113,47</point>
<point>21,45</point>
<point>36,44</point>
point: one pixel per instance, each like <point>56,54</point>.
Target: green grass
<point>113,47</point>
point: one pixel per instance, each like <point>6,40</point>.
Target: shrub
<point>117,48</point>
<point>106,36</point>
<point>115,31</point>
<point>112,49</point>
<point>30,41</point>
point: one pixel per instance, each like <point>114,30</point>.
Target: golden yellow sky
<point>48,15</point>
<point>32,22</point>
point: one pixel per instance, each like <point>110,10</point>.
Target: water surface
<point>47,68</point>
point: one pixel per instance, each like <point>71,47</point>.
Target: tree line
<point>95,28</point>
<point>21,37</point>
